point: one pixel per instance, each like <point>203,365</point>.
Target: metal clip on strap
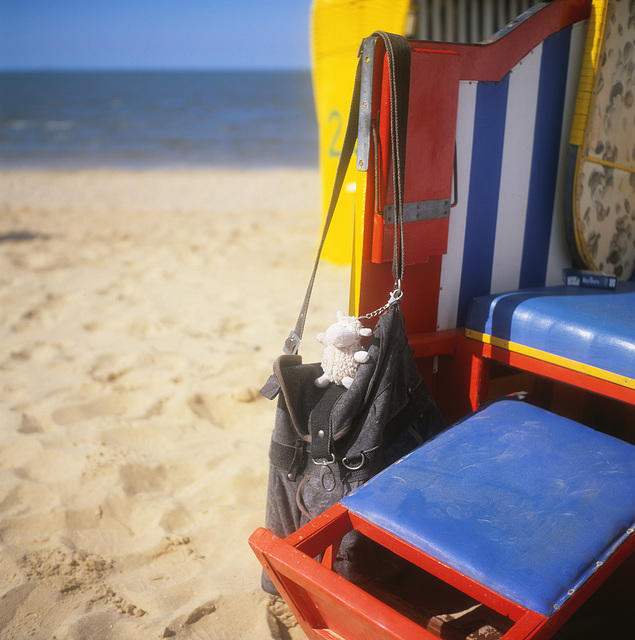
<point>323,462</point>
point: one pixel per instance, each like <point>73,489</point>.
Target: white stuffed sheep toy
<point>342,351</point>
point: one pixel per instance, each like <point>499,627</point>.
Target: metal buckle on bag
<point>354,467</point>
<point>323,462</point>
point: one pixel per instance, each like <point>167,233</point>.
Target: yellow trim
<point>583,106</point>
<point>552,358</point>
<point>358,242</point>
<point>608,163</point>
<point>595,37</point>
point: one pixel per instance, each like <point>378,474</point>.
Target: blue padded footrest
<point>521,500</point>
<point>592,327</point>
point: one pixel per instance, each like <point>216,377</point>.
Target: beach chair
<point>516,514</point>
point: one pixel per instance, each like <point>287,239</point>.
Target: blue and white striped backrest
<point>506,231</point>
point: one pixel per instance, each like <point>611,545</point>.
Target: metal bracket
<point>292,344</point>
<point>365,103</point>
<point>416,211</point>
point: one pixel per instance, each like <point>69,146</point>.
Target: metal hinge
<point>416,211</point>
<point>365,103</point>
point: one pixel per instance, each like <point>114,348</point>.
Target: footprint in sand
<point>40,352</point>
<point>134,405</point>
<point>248,615</point>
<point>12,601</point>
<point>141,328</point>
<point>280,619</point>
<point>228,409</point>
<point>110,367</point>
<point>43,314</point>
<point>133,369</point>
<point>19,498</point>
<point>139,478</point>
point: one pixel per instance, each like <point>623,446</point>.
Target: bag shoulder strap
<point>398,53</point>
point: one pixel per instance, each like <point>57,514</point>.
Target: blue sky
<point>154,34</point>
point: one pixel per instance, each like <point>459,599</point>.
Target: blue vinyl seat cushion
<point>523,501</point>
<point>594,329</point>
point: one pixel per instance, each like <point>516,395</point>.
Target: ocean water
<point>239,119</point>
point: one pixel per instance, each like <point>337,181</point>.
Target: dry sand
<point>140,313</point>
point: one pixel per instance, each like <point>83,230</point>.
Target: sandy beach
<point>140,313</point>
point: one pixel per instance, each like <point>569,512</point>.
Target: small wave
<point>58,125</point>
<point>184,118</point>
<point>18,125</point>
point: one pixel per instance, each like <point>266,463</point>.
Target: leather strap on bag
<point>398,54</point>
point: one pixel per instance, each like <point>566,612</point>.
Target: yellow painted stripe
<point>552,358</point>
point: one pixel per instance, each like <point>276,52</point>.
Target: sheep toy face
<point>343,351</point>
<point>340,335</point>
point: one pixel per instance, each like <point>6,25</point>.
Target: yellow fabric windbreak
<point>338,27</point>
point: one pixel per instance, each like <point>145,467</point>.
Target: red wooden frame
<point>456,369</point>
<point>555,372</point>
<point>328,606</point>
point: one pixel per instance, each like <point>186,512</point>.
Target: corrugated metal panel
<point>465,20</point>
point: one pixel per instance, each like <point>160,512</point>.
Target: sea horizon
<point>155,118</point>
<point>9,70</point>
